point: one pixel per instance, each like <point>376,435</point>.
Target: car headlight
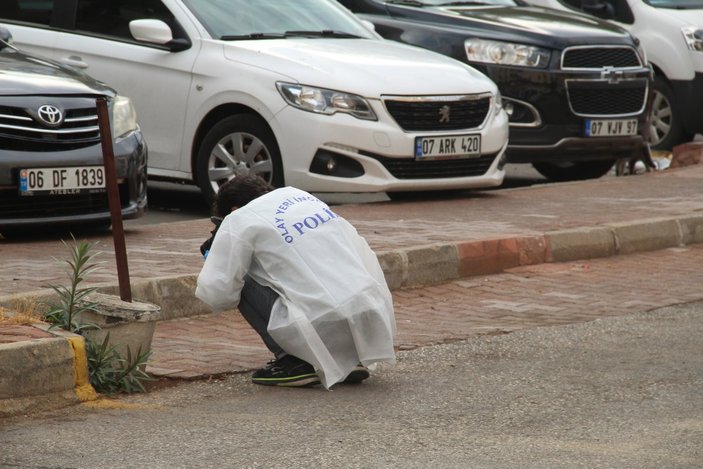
<point>323,101</point>
<point>124,117</point>
<point>506,53</point>
<point>693,37</point>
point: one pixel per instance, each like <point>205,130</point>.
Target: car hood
<point>24,75</point>
<point>367,67</point>
<point>689,16</point>
<point>535,25</point>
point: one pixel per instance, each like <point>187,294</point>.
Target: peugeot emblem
<point>50,115</point>
<point>444,114</point>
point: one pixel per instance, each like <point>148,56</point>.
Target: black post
<point>113,197</point>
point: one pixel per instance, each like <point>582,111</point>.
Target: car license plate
<point>452,146</point>
<point>611,128</point>
<point>71,180</point>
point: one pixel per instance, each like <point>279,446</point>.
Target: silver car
<point>51,161</point>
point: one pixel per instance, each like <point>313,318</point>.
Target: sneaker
<point>286,371</point>
<point>357,375</point>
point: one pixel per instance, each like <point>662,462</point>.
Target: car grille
<point>15,206</point>
<point>599,57</point>
<point>435,169</point>
<point>600,98</point>
<point>439,112</point>
<point>21,130</point>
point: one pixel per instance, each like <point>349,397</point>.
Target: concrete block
<point>691,229</point>
<point>647,235</point>
<point>532,250</point>
<point>432,264</point>
<point>175,295</point>
<point>488,257</point>
<point>36,367</point>
<point>580,243</point>
<point>395,266</point>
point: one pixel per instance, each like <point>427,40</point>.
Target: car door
<point>155,78</point>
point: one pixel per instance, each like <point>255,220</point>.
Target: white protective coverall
<point>335,309</point>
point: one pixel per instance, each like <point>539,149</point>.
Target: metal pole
<point>113,197</point>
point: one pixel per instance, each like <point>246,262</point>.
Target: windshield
<point>265,19</point>
<point>677,4</point>
<point>434,3</point>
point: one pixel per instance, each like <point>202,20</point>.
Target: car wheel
<point>236,146</point>
<point>570,171</point>
<point>665,129</point>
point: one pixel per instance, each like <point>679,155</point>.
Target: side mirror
<point>369,25</point>
<point>157,32</point>
<point>5,36</point>
<point>599,8</point>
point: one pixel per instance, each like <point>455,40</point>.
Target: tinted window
<point>112,17</point>
<point>30,11</point>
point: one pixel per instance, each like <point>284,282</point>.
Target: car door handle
<point>74,61</point>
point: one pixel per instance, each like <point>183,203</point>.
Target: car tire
<point>665,127</point>
<point>237,145</point>
<point>574,171</point>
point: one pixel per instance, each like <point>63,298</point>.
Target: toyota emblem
<point>50,115</point>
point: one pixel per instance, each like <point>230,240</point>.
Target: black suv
<point>51,160</point>
<point>576,89</point>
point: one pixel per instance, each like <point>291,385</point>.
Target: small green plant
<point>109,371</point>
<point>66,313</point>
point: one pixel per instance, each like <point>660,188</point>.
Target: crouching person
<point>304,279</point>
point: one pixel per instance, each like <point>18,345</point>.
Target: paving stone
<point>461,309</point>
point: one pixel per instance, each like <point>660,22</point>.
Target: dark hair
<point>238,192</point>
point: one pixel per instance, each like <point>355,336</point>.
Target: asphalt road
<point>621,392</point>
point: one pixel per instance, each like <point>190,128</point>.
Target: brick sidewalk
<point>171,249</point>
<point>524,297</point>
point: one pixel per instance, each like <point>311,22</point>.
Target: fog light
<point>328,163</point>
<point>509,108</point>
<point>331,165</point>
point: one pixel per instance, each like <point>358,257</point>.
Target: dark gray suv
<point>51,163</point>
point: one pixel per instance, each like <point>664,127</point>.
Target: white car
<point>301,92</point>
<point>671,34</point>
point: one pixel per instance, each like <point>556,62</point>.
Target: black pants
<point>255,304</point>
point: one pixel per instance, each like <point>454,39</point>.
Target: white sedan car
<point>301,92</point>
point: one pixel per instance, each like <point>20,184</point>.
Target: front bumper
<point>689,98</point>
<point>552,105</point>
<point>573,149</point>
<point>382,153</point>
<point>26,211</point>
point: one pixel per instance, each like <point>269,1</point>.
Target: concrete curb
<point>44,374</point>
<point>436,263</point>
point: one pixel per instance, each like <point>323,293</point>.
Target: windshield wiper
<point>322,33</point>
<point>414,3</point>
<point>456,4</point>
<point>243,37</point>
